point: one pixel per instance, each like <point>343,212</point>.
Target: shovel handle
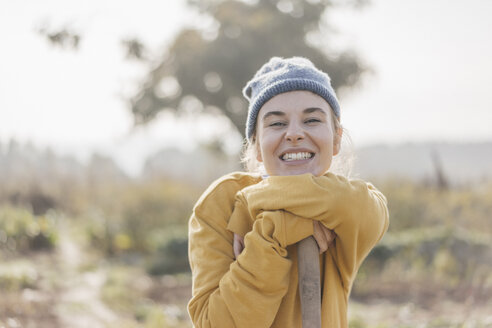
<point>309,282</point>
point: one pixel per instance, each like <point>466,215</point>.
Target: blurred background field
<point>115,117</point>
<point>85,245</point>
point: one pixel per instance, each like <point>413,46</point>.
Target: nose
<point>294,133</point>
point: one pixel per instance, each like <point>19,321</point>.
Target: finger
<point>238,245</point>
<point>326,240</point>
<point>237,249</point>
<point>329,234</point>
<point>326,237</point>
<point>326,232</point>
<point>320,237</point>
<point>333,237</point>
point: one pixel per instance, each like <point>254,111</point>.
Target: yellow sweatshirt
<point>260,288</point>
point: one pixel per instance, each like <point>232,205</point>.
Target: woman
<point>244,228</point>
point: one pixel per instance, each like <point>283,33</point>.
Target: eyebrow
<point>314,109</point>
<point>273,113</point>
<point>306,111</point>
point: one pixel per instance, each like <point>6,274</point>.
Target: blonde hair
<point>341,164</point>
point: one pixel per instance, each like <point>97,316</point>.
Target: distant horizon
<point>133,168</point>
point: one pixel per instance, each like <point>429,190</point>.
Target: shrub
<point>449,259</point>
<point>171,257</point>
<point>133,220</point>
<point>22,231</point>
<point>15,276</point>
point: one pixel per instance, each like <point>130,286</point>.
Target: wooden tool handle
<point>309,282</point>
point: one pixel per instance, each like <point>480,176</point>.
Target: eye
<point>275,124</point>
<point>312,120</point>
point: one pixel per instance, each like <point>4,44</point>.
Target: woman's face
<point>295,134</point>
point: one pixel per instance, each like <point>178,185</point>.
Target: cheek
<point>324,135</point>
<point>265,142</point>
<point>267,147</point>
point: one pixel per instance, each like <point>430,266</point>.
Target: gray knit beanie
<point>281,75</point>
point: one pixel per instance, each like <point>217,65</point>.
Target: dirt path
<point>78,301</point>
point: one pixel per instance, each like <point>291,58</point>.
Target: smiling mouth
<point>289,157</point>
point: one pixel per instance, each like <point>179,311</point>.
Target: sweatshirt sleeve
<point>241,221</point>
<point>246,292</point>
<point>354,209</point>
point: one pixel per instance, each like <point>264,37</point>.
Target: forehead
<point>294,102</point>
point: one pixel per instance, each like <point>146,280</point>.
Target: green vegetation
<point>439,244</point>
<point>119,247</point>
<point>99,251</point>
<point>21,231</point>
<point>138,218</point>
<point>17,275</point>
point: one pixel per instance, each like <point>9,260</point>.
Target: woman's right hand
<point>324,237</point>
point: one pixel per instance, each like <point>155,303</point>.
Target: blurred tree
<point>135,49</point>
<point>440,177</point>
<point>205,70</point>
<point>63,37</point>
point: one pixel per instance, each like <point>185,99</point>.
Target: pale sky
<point>432,80</point>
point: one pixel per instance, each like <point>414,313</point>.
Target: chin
<point>297,171</point>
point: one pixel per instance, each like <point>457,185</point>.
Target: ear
<point>337,140</point>
<point>258,151</point>
<point>258,156</point>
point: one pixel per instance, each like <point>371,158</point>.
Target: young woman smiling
<point>244,228</point>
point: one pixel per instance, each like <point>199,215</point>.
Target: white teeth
<point>296,156</point>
